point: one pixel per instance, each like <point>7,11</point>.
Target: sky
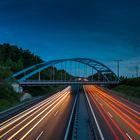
<point>104,30</point>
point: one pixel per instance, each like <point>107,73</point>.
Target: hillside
<point>13,59</point>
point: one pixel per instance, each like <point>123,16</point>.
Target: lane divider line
<point>37,105</point>
<point>98,127</point>
<point>55,113</point>
<point>116,111</point>
<point>39,135</point>
<point>109,114</point>
<point>44,104</point>
<point>44,116</point>
<point>128,136</point>
<point>26,119</point>
<point>24,111</point>
<point>35,118</point>
<point>113,98</point>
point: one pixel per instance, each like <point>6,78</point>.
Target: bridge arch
<point>96,65</point>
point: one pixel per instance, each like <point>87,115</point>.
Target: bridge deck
<point>45,83</point>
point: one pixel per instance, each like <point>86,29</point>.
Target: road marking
<point>132,109</point>
<point>55,113</point>
<point>128,136</point>
<point>109,114</point>
<point>39,135</point>
<point>100,104</point>
<point>26,119</point>
<point>45,102</point>
<point>10,121</point>
<point>57,100</point>
<point>63,98</point>
<point>62,103</point>
<point>37,105</point>
<point>127,106</point>
<point>99,129</point>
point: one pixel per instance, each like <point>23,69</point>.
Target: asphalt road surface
<point>115,118</point>
<point>45,120</point>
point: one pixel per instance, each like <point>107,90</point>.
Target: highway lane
<point>117,119</point>
<point>133,106</point>
<point>48,119</point>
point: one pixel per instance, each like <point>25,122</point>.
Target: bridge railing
<point>63,82</point>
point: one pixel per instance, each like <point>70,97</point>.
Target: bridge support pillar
<point>65,72</point>
<point>92,74</point>
<point>98,76</point>
<point>39,78</point>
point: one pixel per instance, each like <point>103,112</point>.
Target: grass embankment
<point>129,87</point>
<point>5,104</point>
<point>14,59</point>
<point>128,90</point>
<point>38,91</point>
<point>8,98</point>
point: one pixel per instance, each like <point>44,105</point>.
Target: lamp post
<point>118,67</point>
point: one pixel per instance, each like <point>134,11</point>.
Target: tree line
<point>13,59</point>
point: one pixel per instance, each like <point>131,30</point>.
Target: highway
<point>45,120</point>
<point>115,118</point>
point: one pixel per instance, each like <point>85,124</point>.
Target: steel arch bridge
<point>100,68</point>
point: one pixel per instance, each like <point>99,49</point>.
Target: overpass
<point>49,83</point>
<point>105,74</point>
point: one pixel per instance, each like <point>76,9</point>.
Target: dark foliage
<point>131,82</point>
<point>16,58</point>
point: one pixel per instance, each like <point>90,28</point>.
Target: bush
<point>6,92</point>
<point>128,90</point>
<point>8,97</point>
<point>131,82</point>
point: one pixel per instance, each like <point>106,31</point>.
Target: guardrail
<point>23,106</point>
<point>70,124</point>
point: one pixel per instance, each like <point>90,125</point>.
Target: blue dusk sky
<point>103,30</point>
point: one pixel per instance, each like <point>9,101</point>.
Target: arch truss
<point>101,69</point>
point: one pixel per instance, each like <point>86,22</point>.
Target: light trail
<point>20,117</point>
<point>120,104</point>
<point>43,106</point>
<point>121,114</point>
<point>26,119</point>
<point>108,104</point>
<point>37,105</point>
<point>106,121</point>
<point>113,122</point>
<point>7,124</point>
<point>40,119</point>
